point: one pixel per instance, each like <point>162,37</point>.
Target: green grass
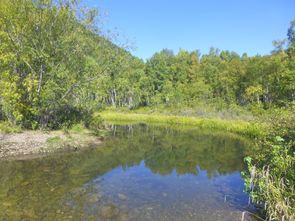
<point>53,140</point>
<point>78,128</point>
<point>250,129</point>
<point>6,127</point>
<point>199,110</point>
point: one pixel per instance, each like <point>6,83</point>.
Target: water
<point>139,173</point>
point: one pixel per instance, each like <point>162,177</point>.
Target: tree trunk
<point>40,79</point>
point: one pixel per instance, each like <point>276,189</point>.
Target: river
<point>139,172</point>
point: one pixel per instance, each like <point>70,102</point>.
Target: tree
<point>51,54</point>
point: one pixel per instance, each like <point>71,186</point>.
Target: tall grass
<point>235,126</point>
<point>278,195</point>
<point>271,173</point>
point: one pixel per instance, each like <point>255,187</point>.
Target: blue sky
<point>238,25</point>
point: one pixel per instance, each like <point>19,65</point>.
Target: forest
<point>57,68</point>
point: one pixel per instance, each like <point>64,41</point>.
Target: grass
<point>53,140</point>
<point>200,110</point>
<point>249,129</point>
<point>77,136</point>
<point>78,128</point>
<point>6,127</point>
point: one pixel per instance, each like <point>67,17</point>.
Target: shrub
<point>6,127</point>
<point>96,123</point>
<point>65,116</point>
<point>271,174</point>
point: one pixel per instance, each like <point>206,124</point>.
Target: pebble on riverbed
<point>93,199</point>
<point>124,217</point>
<point>121,196</point>
<point>109,211</point>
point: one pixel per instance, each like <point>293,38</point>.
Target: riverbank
<point>30,144</point>
<point>246,128</point>
<point>15,143</point>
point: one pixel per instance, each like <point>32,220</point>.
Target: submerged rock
<point>121,196</point>
<point>79,191</point>
<point>93,199</point>
<point>124,217</point>
<point>109,211</point>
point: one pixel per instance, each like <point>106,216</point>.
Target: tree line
<point>57,68</point>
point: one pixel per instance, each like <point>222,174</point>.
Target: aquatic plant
<point>250,129</point>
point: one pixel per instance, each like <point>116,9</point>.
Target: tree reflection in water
<point>160,171</point>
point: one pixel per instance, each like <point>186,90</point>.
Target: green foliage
<point>271,177</point>
<point>52,59</point>
<point>96,124</point>
<point>77,128</point>
<point>56,70</point>
<point>6,127</point>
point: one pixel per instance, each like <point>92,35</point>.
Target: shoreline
<point>32,144</point>
<point>240,127</point>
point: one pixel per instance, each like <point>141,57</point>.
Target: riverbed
<point>140,172</point>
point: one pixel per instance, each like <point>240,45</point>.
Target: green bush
<point>64,117</point>
<point>96,123</point>
<point>271,175</point>
<point>6,127</point>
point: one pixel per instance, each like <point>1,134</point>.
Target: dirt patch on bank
<point>37,143</point>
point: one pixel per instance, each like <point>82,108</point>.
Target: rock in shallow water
<point>121,196</point>
<point>124,217</point>
<point>93,199</point>
<point>109,211</point>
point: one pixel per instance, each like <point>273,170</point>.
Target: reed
<point>249,129</point>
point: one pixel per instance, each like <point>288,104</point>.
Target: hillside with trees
<point>56,68</point>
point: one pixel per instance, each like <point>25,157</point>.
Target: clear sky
<point>238,25</point>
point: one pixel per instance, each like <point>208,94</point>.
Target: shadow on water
<point>140,172</point>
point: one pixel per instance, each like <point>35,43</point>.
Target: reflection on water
<point>139,173</point>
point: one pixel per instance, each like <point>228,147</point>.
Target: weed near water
<point>250,129</point>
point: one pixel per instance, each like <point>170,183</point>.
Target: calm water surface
<point>139,173</point>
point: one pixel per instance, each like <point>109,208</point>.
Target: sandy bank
<point>37,143</point>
